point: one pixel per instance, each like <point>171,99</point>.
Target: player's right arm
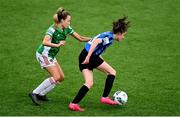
<point>47,42</point>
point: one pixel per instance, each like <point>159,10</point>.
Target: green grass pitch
<point>147,61</point>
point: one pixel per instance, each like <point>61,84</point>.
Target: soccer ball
<point>120,97</point>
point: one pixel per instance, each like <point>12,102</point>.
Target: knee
<point>59,78</point>
<point>89,84</point>
<point>112,72</point>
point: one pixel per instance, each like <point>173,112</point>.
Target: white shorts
<point>45,61</point>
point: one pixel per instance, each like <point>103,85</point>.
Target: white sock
<point>45,84</point>
<point>48,89</point>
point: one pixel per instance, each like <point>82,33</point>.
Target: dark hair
<point>121,25</point>
<point>62,14</point>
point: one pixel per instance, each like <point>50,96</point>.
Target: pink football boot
<point>75,107</point>
<point>107,100</point>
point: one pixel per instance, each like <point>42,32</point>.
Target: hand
<point>61,43</point>
<point>86,61</point>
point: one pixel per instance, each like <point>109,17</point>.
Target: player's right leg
<point>88,76</point>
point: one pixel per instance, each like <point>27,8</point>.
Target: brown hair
<point>121,25</point>
<point>60,14</point>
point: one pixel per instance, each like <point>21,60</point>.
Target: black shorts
<point>94,61</point>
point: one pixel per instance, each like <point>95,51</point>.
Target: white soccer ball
<point>120,97</point>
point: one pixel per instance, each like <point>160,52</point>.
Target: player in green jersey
<point>45,54</point>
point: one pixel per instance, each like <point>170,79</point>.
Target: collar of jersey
<point>58,29</point>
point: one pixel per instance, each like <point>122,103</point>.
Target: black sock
<point>108,85</point>
<point>82,92</point>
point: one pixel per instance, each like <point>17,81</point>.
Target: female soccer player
<point>90,58</point>
<point>45,54</point>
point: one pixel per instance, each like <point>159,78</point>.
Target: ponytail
<point>55,18</point>
<point>60,14</point>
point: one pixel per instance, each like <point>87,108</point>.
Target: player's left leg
<point>111,73</point>
<point>60,71</point>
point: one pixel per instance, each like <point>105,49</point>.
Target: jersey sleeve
<point>104,37</point>
<point>70,30</point>
<point>50,31</point>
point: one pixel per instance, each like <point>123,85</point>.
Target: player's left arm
<point>80,38</point>
<point>91,50</point>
